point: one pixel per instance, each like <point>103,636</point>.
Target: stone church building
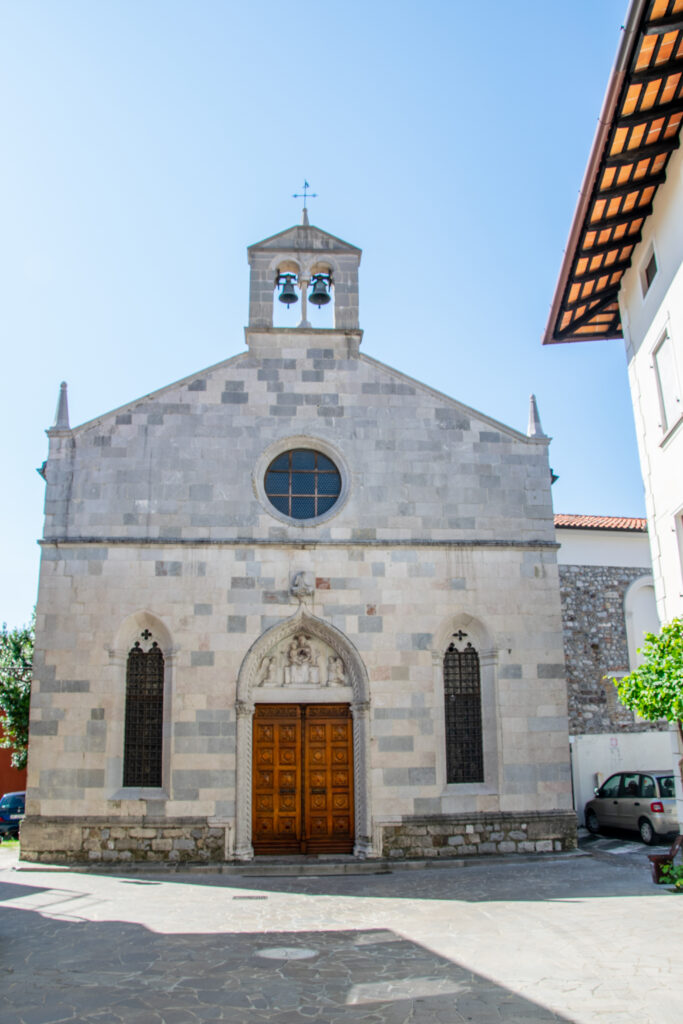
<point>297,604</point>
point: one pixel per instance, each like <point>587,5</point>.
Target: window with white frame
<point>668,382</point>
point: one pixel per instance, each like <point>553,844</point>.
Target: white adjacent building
<point>622,274</point>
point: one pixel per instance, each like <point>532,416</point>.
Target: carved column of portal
<point>245,717</point>
<point>360,710</point>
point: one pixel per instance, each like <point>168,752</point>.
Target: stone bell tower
<point>315,266</point>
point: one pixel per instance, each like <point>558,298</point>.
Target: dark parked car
<point>12,808</point>
<point>642,801</point>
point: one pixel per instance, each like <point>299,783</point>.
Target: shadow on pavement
<point>115,972</point>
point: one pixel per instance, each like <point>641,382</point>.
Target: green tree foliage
<point>16,668</point>
<point>655,689</point>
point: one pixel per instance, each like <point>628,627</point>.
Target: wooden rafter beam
<point>596,250</point>
<point>651,181</point>
<point>595,275</point>
<point>661,71</point>
<point>651,114</point>
<point>623,217</point>
<point>669,23</point>
<point>634,156</point>
<point>586,317</point>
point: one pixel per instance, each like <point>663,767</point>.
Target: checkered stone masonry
<point>156,507</point>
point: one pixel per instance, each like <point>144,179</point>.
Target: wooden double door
<point>302,799</point>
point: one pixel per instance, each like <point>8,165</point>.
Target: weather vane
<point>305,194</point>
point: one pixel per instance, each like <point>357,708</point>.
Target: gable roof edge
<point>434,393</point>
<point>307,227</point>
<point>159,391</point>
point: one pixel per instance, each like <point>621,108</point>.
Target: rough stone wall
<point>122,842</point>
<point>595,646</point>
<point>460,836</point>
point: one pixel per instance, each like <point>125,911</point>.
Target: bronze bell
<point>320,295</point>
<point>288,294</point>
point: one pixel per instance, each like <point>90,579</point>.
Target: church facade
<point>297,603</point>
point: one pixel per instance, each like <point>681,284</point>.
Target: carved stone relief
<point>302,660</point>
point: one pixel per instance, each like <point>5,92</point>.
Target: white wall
<point>608,753</point>
<point>603,547</point>
<point>646,319</point>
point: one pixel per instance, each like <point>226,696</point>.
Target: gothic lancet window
<point>144,717</point>
<point>462,696</point>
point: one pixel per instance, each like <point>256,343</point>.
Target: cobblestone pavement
<point>585,938</point>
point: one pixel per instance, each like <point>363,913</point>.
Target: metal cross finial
<point>305,194</point>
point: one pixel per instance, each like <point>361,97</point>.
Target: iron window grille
<point>462,698</point>
<point>302,484</point>
<point>144,717</point>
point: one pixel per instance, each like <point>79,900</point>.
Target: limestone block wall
<point>397,605</point>
<point>187,462</point>
<point>157,523</point>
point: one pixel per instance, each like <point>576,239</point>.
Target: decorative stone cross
<point>460,635</point>
<point>145,634</point>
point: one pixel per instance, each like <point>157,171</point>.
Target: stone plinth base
<point>184,841</point>
<point>459,835</point>
<point>68,841</point>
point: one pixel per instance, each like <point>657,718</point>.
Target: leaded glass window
<point>302,484</point>
<point>144,717</point>
<point>462,697</point>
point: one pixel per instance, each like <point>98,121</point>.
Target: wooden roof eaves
<point>624,53</point>
<point>600,303</point>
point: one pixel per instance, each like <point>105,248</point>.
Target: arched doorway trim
<point>248,694</point>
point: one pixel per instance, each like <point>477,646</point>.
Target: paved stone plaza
<point>581,938</point>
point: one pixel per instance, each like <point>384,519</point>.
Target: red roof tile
<point>601,523</point>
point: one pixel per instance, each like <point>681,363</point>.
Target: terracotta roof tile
<point>601,522</point>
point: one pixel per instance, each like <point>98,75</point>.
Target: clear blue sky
<point>145,145</point>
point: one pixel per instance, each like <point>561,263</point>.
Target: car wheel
<point>592,823</point>
<point>647,833</point>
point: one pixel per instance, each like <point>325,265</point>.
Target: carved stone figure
<point>336,673</point>
<point>302,585</point>
<point>268,671</point>
<point>302,662</point>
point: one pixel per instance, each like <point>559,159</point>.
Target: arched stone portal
<point>324,668</point>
